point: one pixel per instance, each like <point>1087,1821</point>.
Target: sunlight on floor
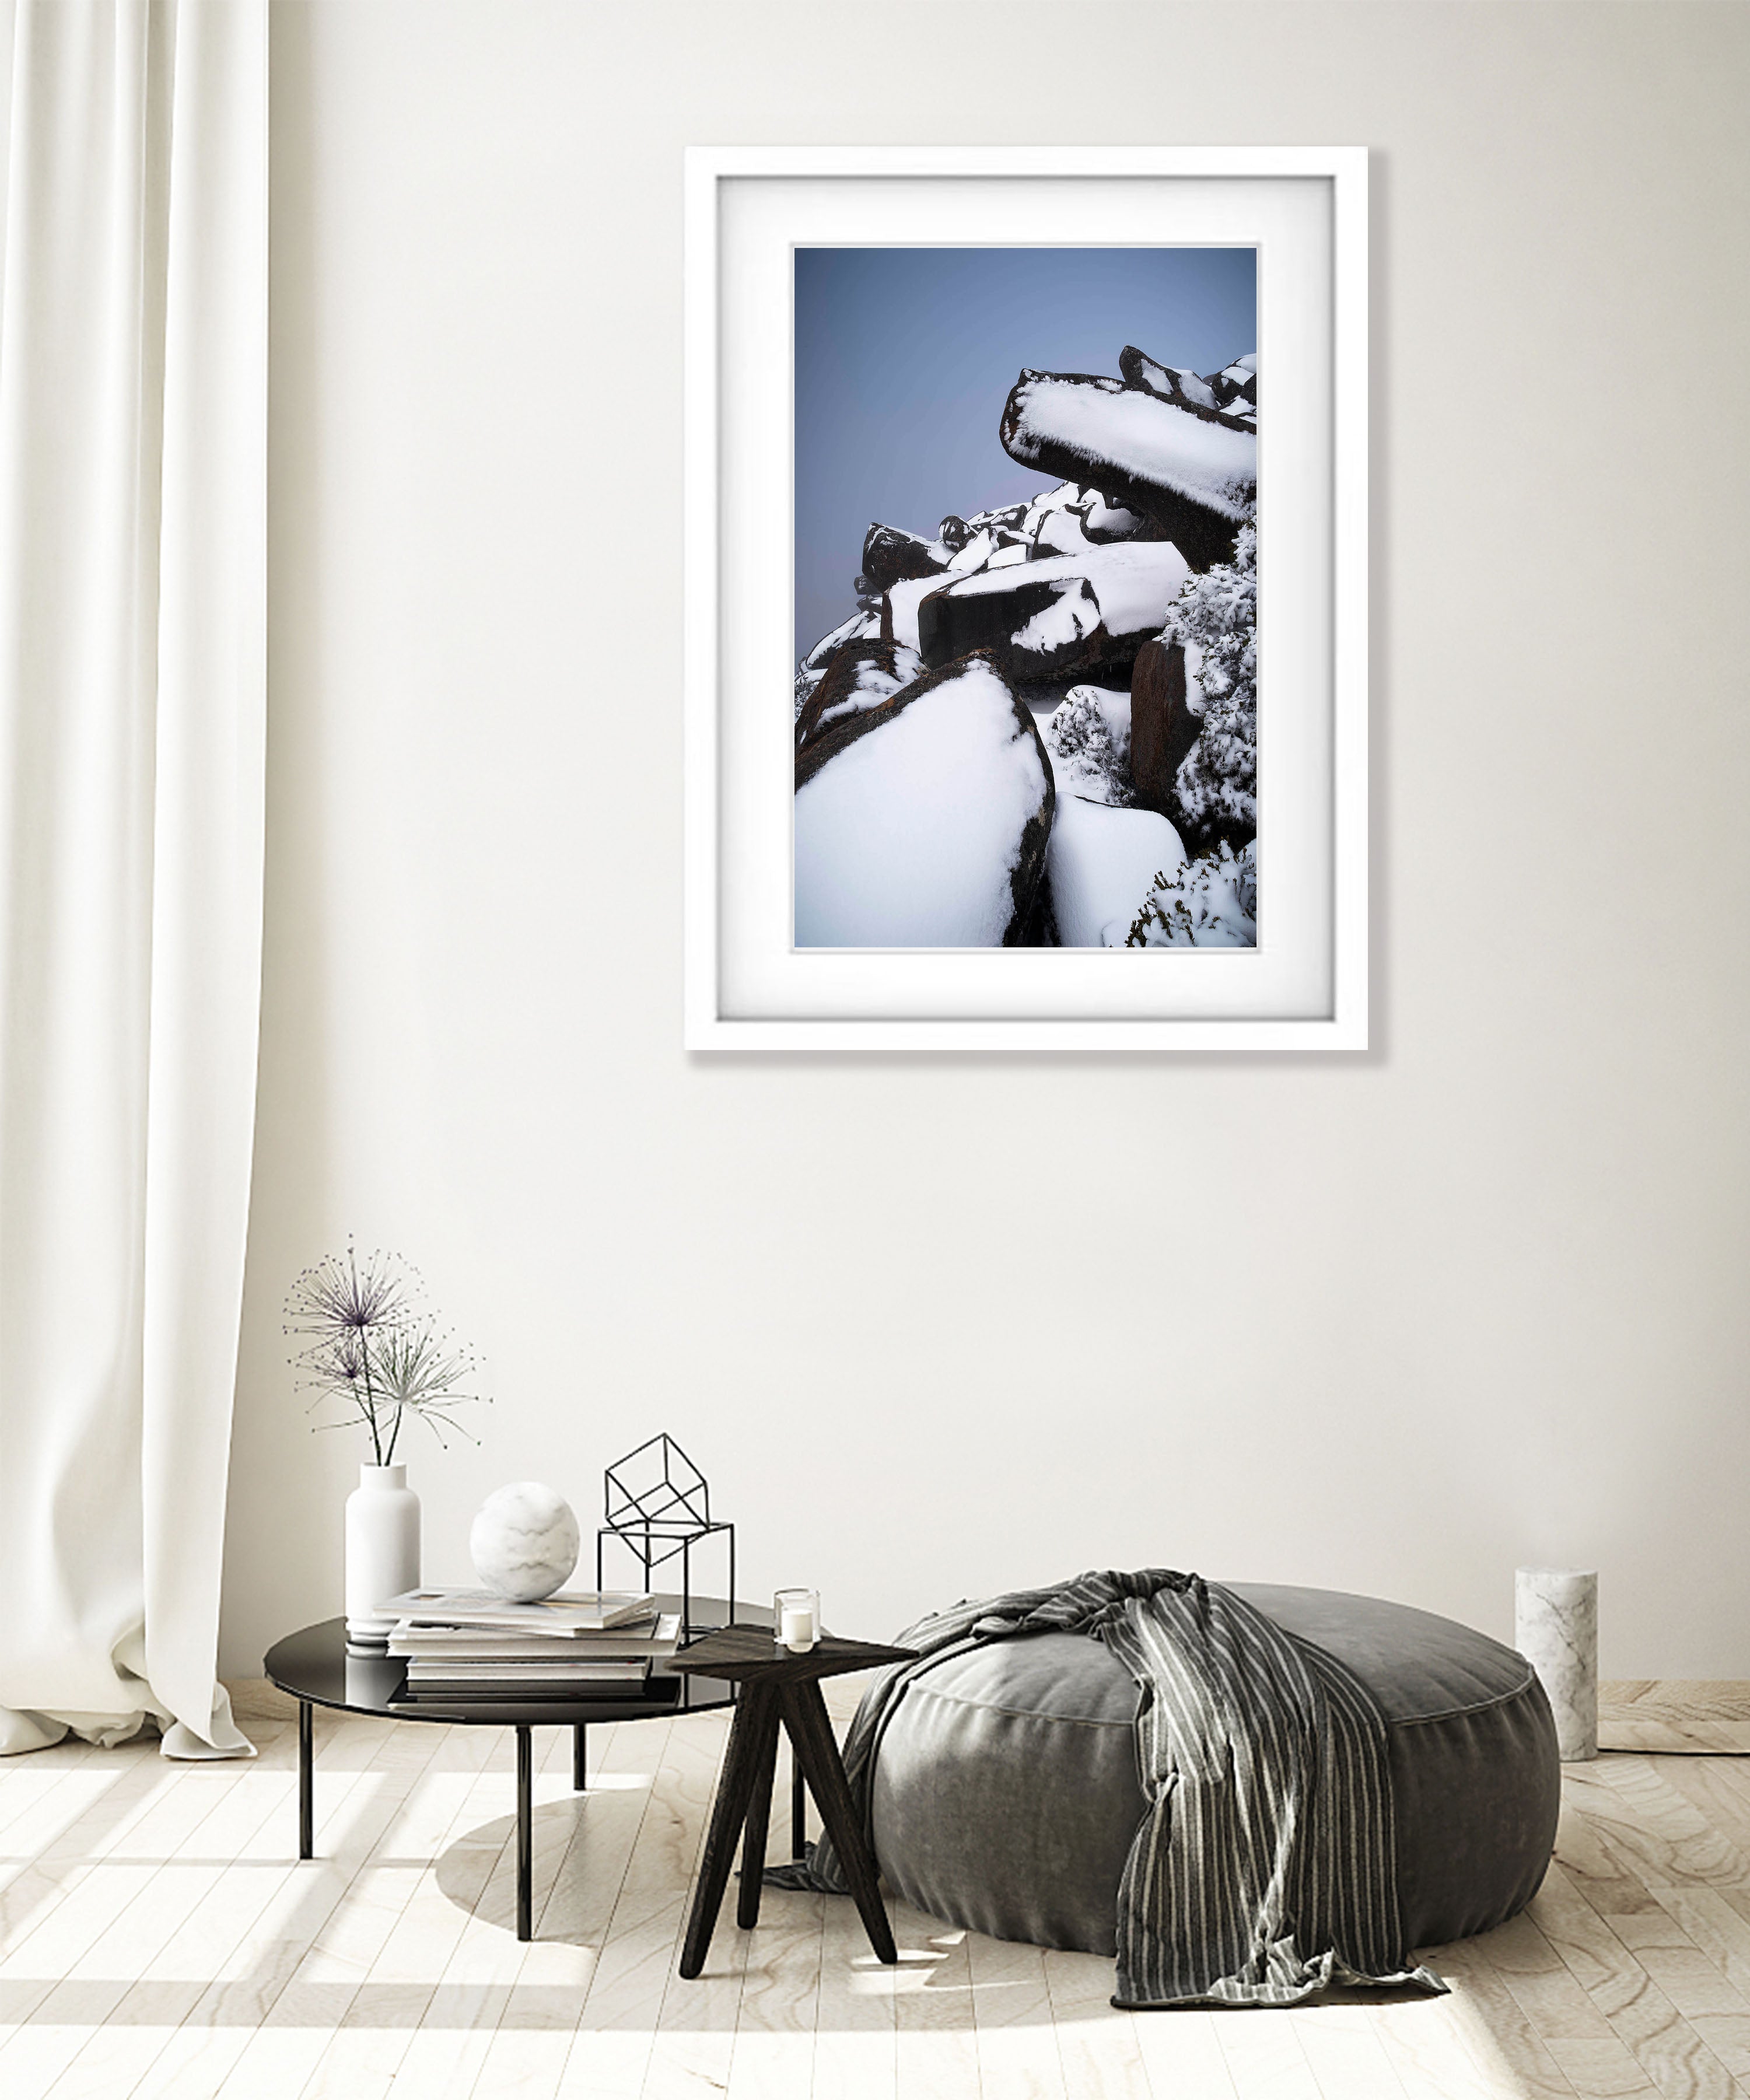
<point>160,1940</point>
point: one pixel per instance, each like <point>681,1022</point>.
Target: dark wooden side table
<point>774,1686</point>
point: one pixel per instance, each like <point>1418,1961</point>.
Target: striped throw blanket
<point>1265,1867</point>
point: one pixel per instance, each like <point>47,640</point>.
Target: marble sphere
<point>524,1542</point>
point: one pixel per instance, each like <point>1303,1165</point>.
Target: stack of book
<point>467,1647</point>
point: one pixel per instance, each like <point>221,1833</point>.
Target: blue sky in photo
<point>906,355</point>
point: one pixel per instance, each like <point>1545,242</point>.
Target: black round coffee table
<point>313,1667</point>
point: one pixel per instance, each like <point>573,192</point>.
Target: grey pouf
<point>1006,1794</point>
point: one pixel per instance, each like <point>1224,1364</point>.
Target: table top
<point>750,1655</point>
<point>313,1664</point>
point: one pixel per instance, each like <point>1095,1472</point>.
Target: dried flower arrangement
<point>369,1341</point>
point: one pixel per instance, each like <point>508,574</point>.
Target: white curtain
<point>133,461</point>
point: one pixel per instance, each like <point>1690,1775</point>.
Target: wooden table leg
<point>579,1756</point>
<point>525,1834</point>
<point>804,1713</point>
<point>759,1816</point>
<point>728,1813</point>
<point>798,1809</point>
<point>306,1782</point>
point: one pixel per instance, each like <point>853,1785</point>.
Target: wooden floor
<point>1674,1714</point>
<point>159,1937</point>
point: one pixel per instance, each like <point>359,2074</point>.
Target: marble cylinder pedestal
<point>1556,1630</point>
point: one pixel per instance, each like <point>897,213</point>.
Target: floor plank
<point>1098,2046</point>
<point>1674,1716</point>
<point>1013,2014</point>
<point>160,1940</point>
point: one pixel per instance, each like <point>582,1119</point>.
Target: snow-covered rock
<point>898,619</point>
<point>890,556</point>
<point>1164,724</point>
<point>1049,617</point>
<point>1147,373</point>
<point>1171,382</point>
<point>1210,902</point>
<point>1011,516</point>
<point>813,667</point>
<point>1103,863</point>
<point>1236,385</point>
<point>923,823</point>
<point>925,789</point>
<point>861,675</point>
<point>1089,739</point>
<point>1193,470</point>
<point>1062,627</point>
<point>1215,397</point>
<point>976,550</point>
<point>1104,522</point>
<point>1061,532</point>
<point>1067,495</point>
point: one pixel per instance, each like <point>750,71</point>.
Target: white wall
<point>1393,1323</point>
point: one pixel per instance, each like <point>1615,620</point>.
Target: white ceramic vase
<point>382,1550</point>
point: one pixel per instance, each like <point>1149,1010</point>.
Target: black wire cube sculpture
<point>657,1504</point>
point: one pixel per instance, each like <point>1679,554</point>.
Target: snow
<point>1147,373</point>
<point>859,627</point>
<point>1074,612</point>
<point>908,837</point>
<point>973,555</point>
<point>1102,862</point>
<point>1211,903</point>
<point>874,685</point>
<point>1133,584</point>
<point>1242,373</point>
<point>1006,514</point>
<point>1062,533</point>
<point>1113,704</point>
<point>1064,497</point>
<point>1005,557</point>
<point>1169,381</point>
<point>1088,736</point>
<point>1217,781</point>
<point>1110,521</point>
<point>1194,699</point>
<point>1142,435</point>
<point>903,601</point>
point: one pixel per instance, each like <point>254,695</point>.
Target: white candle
<point>797,1633</point>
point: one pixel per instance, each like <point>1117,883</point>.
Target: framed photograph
<point>1026,603</point>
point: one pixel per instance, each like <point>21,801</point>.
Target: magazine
<point>645,1637</point>
<point>569,1612</point>
<point>422,1672</point>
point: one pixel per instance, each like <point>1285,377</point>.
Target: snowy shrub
<point>1089,739</point>
<point>1206,903</point>
<point>1216,614</point>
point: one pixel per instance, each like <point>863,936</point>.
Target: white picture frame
<point>1305,986</point>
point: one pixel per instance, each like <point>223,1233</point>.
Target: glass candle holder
<point>796,1619</point>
